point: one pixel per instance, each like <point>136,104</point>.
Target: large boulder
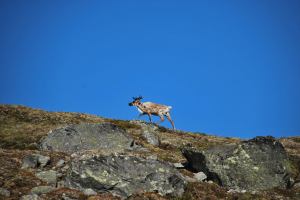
<point>124,175</point>
<point>73,138</point>
<point>257,164</point>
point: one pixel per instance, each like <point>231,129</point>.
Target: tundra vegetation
<point>61,155</point>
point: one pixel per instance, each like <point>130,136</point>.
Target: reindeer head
<point>136,101</point>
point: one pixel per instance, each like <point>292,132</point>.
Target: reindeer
<point>150,108</point>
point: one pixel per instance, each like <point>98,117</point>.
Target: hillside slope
<point>27,136</point>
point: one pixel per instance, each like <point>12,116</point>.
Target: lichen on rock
<point>257,164</point>
<point>74,138</point>
<point>124,175</point>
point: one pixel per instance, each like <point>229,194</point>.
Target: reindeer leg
<point>169,118</point>
<point>161,119</point>
<point>149,115</point>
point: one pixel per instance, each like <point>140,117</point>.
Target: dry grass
<point>211,191</point>
<point>199,191</point>
<point>21,129</point>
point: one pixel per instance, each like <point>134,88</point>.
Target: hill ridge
<point>30,136</point>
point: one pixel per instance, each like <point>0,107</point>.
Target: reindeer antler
<point>137,98</point>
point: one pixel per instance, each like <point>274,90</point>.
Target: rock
<point>296,185</point>
<point>65,168</point>
<point>65,197</point>
<point>74,138</point>
<point>152,157</point>
<point>89,192</point>
<point>60,163</point>
<point>149,132</point>
<point>43,160</point>
<point>60,184</point>
<point>49,176</point>
<point>35,160</point>
<point>257,164</point>
<point>41,189</point>
<point>4,192</point>
<point>200,176</point>
<point>236,191</point>
<point>190,179</point>
<point>150,137</point>
<point>124,175</point>
<point>59,175</point>
<point>30,197</point>
<point>29,161</point>
<point>178,165</point>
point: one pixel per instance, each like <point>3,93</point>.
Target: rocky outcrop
<point>4,192</point>
<point>257,164</point>
<point>148,132</point>
<point>81,137</point>
<point>41,190</point>
<point>49,176</point>
<point>136,159</point>
<point>35,160</point>
<point>124,175</point>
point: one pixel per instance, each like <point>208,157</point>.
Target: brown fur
<point>150,108</point>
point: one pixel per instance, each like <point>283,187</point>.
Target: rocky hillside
<point>59,155</point>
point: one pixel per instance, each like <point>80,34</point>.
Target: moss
<point>123,124</point>
<point>61,193</point>
<point>200,190</point>
<point>163,129</point>
<point>296,139</point>
<point>199,133</point>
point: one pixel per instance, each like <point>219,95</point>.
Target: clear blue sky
<point>229,68</point>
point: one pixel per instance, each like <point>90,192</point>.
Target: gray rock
<point>60,163</point>
<point>65,197</point>
<point>49,176</point>
<point>30,197</point>
<point>29,161</point>
<point>200,176</point>
<point>236,191</point>
<point>35,160</point>
<point>61,184</point>
<point>4,192</point>
<point>65,168</point>
<point>124,175</point>
<point>296,185</point>
<point>149,132</point>
<point>89,192</point>
<point>81,137</point>
<point>41,190</point>
<point>152,157</point>
<point>43,160</point>
<point>59,175</point>
<point>190,179</point>
<point>257,164</point>
<point>178,165</point>
<point>151,137</point>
